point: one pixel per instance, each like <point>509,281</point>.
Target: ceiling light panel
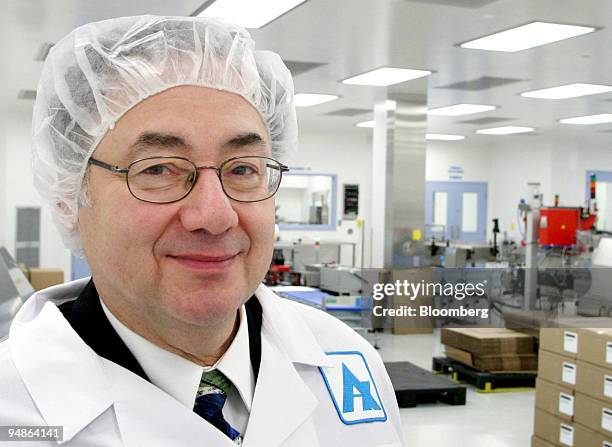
<point>527,36</point>
<point>568,91</point>
<point>589,119</point>
<point>369,124</point>
<point>312,99</point>
<point>443,137</point>
<point>505,130</point>
<point>249,13</point>
<point>382,77</point>
<point>460,109</point>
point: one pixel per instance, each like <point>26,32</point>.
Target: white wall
<point>347,154</point>
<point>20,192</point>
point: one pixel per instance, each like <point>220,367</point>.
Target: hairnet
<point>101,70</point>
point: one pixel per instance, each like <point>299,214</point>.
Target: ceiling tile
<point>298,67</point>
<point>349,112</point>
<point>486,120</point>
<point>472,4</point>
<point>482,83</point>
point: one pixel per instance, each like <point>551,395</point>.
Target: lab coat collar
<point>286,325</point>
<point>62,374</point>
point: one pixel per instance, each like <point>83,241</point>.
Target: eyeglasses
<point>170,179</point>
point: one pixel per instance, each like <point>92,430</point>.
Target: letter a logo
<point>353,388</point>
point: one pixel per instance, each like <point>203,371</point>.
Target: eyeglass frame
<point>117,170</point>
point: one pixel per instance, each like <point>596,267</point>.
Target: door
<point>456,211</point>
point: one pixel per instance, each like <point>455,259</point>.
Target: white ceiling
<point>354,36</point>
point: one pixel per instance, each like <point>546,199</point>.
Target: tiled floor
<point>487,420</point>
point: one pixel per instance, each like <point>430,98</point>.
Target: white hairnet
<point>101,70</point>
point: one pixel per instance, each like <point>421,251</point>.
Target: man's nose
<point>207,207</point>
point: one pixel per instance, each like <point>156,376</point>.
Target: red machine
<point>558,225</point>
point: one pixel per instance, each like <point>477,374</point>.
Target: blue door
<point>456,211</point>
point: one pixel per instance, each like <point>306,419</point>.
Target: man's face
<point>196,260</point>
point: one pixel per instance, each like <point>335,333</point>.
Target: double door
<point>456,211</point>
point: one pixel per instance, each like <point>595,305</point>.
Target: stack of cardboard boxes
<point>574,388</point>
<point>491,349</point>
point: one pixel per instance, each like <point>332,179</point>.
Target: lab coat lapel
<point>147,416</point>
<point>283,402</point>
<point>61,373</point>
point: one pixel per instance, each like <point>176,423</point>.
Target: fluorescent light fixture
<point>460,109</point>
<point>589,119</point>
<point>311,99</point>
<point>369,124</point>
<point>382,77</point>
<point>442,137</point>
<point>568,91</point>
<point>249,13</point>
<point>505,130</point>
<point>527,36</point>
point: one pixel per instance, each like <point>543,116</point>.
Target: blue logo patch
<point>352,388</point>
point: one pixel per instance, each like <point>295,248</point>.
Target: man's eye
<point>243,170</point>
<point>157,170</point>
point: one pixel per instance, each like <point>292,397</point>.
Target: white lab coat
<point>49,376</point>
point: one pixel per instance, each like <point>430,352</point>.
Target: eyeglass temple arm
<point>111,168</point>
<point>281,167</point>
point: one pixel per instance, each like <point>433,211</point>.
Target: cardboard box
<point>555,399</point>
<point>43,278</point>
<point>504,362</point>
<point>585,437</point>
<point>488,341</point>
<point>537,442</point>
<point>553,429</point>
<point>596,346</point>
<point>594,414</point>
<point>416,324</point>
<point>560,341</point>
<point>594,381</point>
<point>557,369</point>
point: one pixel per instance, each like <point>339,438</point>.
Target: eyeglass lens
<point>163,180</point>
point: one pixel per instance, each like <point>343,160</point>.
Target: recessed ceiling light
<point>527,36</point>
<point>382,77</point>
<point>568,91</point>
<point>505,130</point>
<point>460,109</point>
<point>369,124</point>
<point>311,99</point>
<point>248,13</point>
<point>442,137</point>
<point>589,119</point>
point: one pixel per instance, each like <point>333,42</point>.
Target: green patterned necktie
<point>212,394</point>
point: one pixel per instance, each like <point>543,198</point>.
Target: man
<point>156,146</point>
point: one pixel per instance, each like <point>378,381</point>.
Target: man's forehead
<point>155,140</point>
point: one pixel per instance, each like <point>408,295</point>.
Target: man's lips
<point>208,262</point>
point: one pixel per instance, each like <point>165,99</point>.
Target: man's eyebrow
<point>158,140</point>
<point>246,139</point>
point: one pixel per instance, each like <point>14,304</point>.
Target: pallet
<point>485,382</point>
<point>414,386</point>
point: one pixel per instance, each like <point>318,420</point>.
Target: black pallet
<point>484,381</point>
<point>414,385</point>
